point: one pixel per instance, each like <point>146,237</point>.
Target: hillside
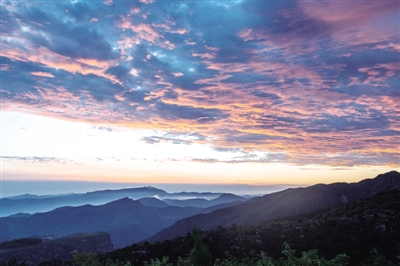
<point>126,220</point>
<point>354,229</point>
<point>283,204</point>
<point>36,250</point>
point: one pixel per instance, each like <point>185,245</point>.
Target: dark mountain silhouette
<point>353,229</point>
<point>20,214</point>
<point>283,204</point>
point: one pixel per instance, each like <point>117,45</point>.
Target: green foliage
<point>309,258</point>
<point>200,254</point>
<point>157,262</point>
<point>184,262</point>
<point>84,259</point>
<point>377,260</point>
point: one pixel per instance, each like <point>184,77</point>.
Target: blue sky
<point>208,91</point>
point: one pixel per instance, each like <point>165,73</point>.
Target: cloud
<point>43,74</point>
<point>306,82</point>
<point>36,159</point>
<point>146,1</point>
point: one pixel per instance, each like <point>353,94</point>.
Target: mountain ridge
<point>354,229</point>
<point>126,220</point>
<point>283,204</point>
<point>29,203</point>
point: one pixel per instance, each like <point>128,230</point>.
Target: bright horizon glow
<point>46,149</point>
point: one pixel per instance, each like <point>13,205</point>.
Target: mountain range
<point>283,204</point>
<point>28,203</point>
<point>126,220</point>
<point>131,221</point>
<point>366,230</point>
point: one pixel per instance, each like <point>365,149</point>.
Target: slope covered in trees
<point>355,229</point>
<point>284,204</point>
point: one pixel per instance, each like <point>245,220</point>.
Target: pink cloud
<point>43,74</point>
<point>50,59</point>
<point>205,55</point>
<point>188,42</point>
<point>144,32</point>
<point>146,1</point>
<point>341,23</point>
<point>354,23</point>
<point>5,67</point>
<point>215,49</point>
<point>180,31</point>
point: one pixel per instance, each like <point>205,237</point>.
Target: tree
<point>200,255</point>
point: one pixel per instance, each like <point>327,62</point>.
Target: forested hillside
<point>357,230</point>
<point>284,204</point>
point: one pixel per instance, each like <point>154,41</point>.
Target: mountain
<point>126,220</point>
<point>153,202</point>
<point>227,197</point>
<point>283,204</point>
<point>354,229</point>
<point>33,251</point>
<point>199,203</point>
<point>192,195</point>
<point>204,203</point>
<point>33,196</point>
<point>29,203</point>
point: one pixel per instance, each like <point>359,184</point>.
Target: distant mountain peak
<point>228,195</point>
<point>125,199</point>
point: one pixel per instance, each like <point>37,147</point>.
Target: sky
<point>213,94</point>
